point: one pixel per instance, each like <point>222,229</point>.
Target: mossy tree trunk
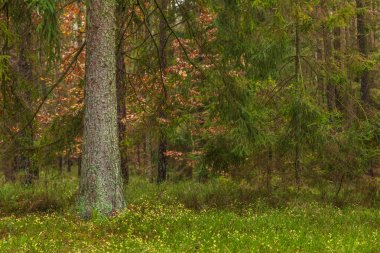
<point>101,188</point>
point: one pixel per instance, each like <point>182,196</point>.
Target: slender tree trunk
<point>121,90</point>
<point>68,160</point>
<point>162,142</point>
<point>79,165</point>
<point>162,163</point>
<point>25,70</point>
<point>297,158</point>
<point>350,90</point>
<point>337,56</point>
<point>138,153</point>
<point>101,188</point>
<point>148,157</point>
<point>363,49</point>
<point>270,165</point>
<point>69,163</point>
<point>60,164</point>
<point>319,59</point>
<point>330,87</point>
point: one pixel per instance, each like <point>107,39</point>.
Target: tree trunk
<point>338,44</point>
<point>121,91</point>
<point>162,142</point>
<point>162,164</point>
<point>363,49</point>
<point>270,165</point>
<point>350,89</point>
<point>79,165</point>
<point>138,154</point>
<point>69,163</point>
<point>60,164</point>
<point>148,156</point>
<point>24,66</point>
<point>101,188</point>
<point>319,59</point>
<point>297,151</point>
<point>330,87</point>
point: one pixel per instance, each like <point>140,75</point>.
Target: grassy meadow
<point>218,216</point>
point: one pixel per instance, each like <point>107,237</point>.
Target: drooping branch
<point>53,87</point>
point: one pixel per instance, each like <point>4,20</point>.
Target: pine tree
<point>101,183</point>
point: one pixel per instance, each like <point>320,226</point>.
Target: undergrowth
<point>218,216</point>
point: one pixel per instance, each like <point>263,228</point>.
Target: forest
<point>189,126</point>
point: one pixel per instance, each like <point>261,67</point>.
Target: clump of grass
<point>53,193</point>
<point>225,193</point>
<point>47,194</point>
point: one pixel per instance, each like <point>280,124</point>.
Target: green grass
<point>185,217</point>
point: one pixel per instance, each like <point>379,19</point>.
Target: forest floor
<point>185,217</point>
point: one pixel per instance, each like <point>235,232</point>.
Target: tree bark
<point>101,188</point>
